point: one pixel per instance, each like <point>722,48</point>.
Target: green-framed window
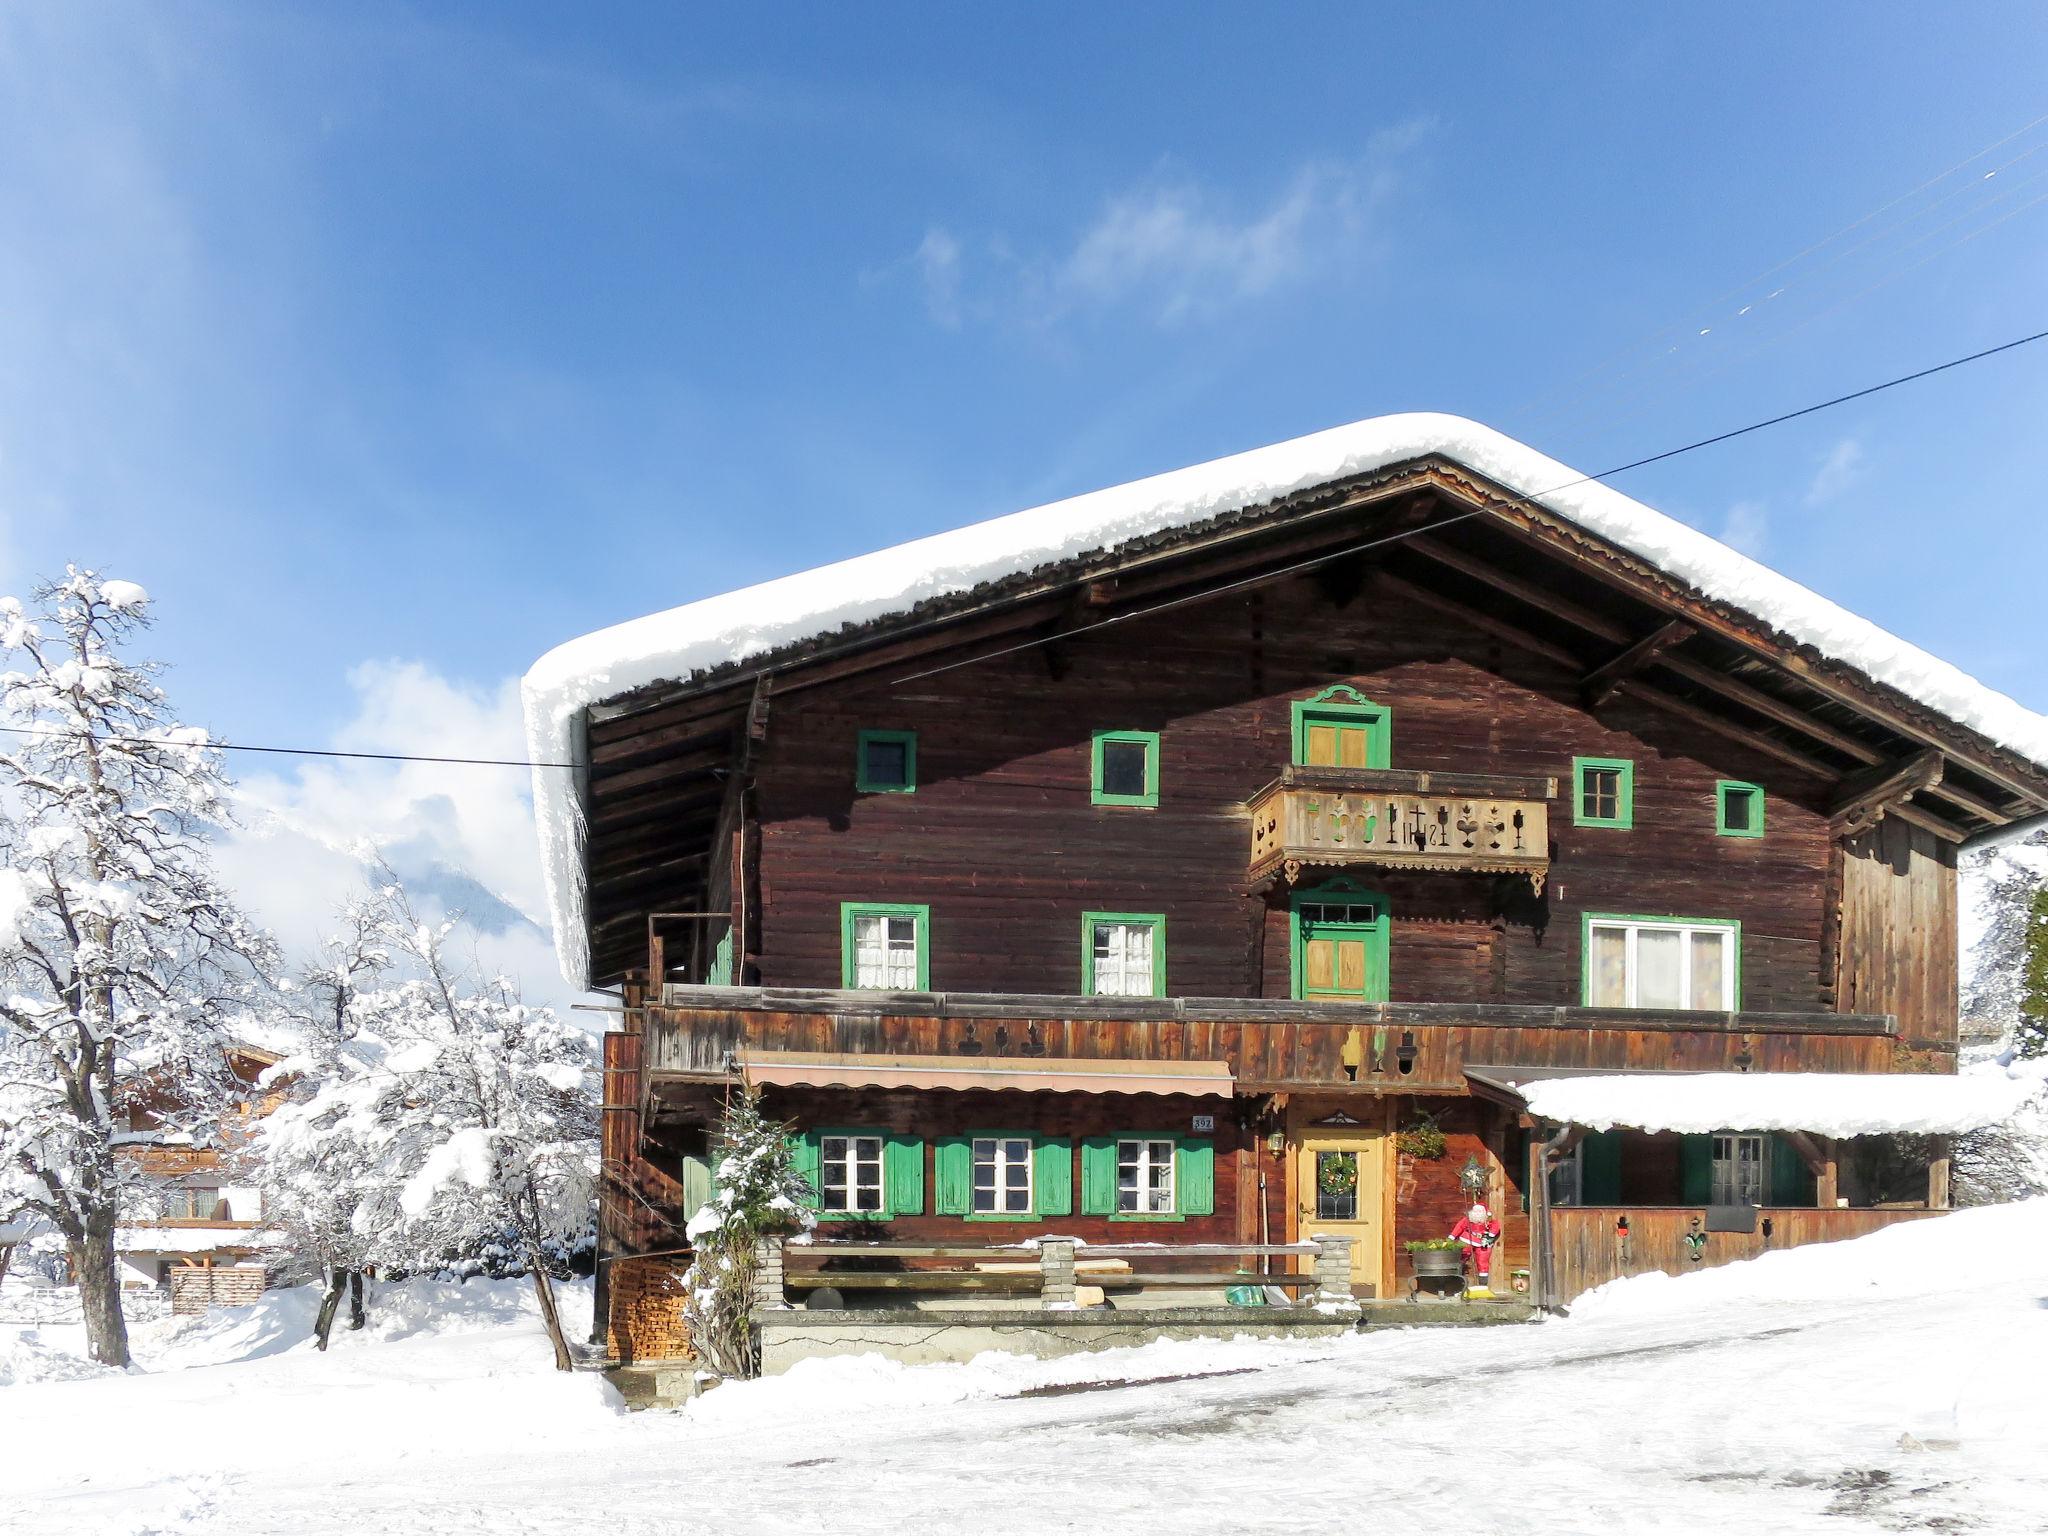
<point>1690,963</point>
<point>885,946</point>
<point>885,762</point>
<point>1124,768</point>
<point>1337,941</point>
<point>1603,792</point>
<point>1123,954</point>
<point>1341,728</point>
<point>1003,1176</point>
<point>1148,1176</point>
<point>1738,809</point>
<point>861,1173</point>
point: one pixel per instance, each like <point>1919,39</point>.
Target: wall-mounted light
<point>1276,1142</point>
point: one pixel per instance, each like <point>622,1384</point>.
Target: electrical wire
<point>1459,517</point>
<point>1121,618</point>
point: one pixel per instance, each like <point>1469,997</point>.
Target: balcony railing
<point>1396,819</point>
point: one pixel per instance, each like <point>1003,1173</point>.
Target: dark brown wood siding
<point>1002,842</point>
<point>1899,929</point>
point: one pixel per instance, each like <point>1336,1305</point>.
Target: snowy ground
<point>1863,1386</point>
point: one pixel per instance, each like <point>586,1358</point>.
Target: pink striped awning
<point>827,1069</point>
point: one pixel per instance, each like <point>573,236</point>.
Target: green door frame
<point>1349,892</point>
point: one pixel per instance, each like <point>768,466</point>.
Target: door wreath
<point>1338,1174</point>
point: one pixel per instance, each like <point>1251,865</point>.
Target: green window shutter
<point>1600,1169</point>
<point>803,1152</point>
<point>1695,1170</point>
<point>697,1186</point>
<point>1052,1175</point>
<point>952,1175</point>
<point>1098,1176</point>
<point>1194,1178</point>
<point>903,1176</point>
<point>1791,1180</point>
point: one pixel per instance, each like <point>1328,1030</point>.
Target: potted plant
<point>1436,1259</point>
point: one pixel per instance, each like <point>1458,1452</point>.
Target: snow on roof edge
<point>752,621</point>
<point>1821,1103</point>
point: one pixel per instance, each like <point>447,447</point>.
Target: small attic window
<point>1738,809</point>
<point>1126,768</point>
<point>886,763</point>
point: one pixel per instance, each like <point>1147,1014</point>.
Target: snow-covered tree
<point>444,1115</point>
<point>313,1201</point>
<point>759,1193</point>
<point>121,953</point>
<point>2030,1029</point>
<point>2007,886</point>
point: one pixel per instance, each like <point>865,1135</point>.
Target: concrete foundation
<point>922,1338</point>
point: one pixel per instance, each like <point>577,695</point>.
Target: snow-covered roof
<point>194,1239</point>
<point>1822,1103</point>
<point>754,621</point>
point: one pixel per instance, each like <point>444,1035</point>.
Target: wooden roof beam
<point>1864,798</point>
<point>1598,685</point>
<point>1655,697</point>
<point>1566,541</point>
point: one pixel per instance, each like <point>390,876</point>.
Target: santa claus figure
<point>1479,1232</point>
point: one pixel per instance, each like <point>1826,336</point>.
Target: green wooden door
<point>1340,949</point>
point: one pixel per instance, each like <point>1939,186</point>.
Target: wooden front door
<point>1341,948</point>
<point>1340,1189</point>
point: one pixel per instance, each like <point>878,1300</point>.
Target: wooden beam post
<point>1938,1172</point>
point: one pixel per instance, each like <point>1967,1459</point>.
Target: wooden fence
<point>1589,1245</point>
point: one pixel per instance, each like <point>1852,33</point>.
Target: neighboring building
<point>200,1235</point>
<point>1177,859</point>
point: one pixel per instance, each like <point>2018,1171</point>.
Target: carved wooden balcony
<point>1385,818</point>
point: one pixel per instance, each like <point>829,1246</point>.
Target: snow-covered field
<point>1895,1383</point>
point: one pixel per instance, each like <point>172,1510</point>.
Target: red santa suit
<point>1478,1231</point>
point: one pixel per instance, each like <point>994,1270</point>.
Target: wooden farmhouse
<point>1216,861</point>
<point>199,1233</point>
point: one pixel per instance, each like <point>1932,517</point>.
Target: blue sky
<point>390,345</point>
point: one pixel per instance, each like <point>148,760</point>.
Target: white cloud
<point>1747,528</point>
<point>938,265</point>
<point>1171,248</point>
<point>1837,472</point>
<point>460,835</point>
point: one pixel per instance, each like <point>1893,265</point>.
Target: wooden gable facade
<point>1349,794</point>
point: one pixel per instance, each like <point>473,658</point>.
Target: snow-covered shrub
<point>121,956</point>
<point>758,1193</point>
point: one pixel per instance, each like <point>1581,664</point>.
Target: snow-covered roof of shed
<point>1822,1103</point>
<point>757,620</point>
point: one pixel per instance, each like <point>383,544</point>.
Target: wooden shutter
<point>1792,1182</point>
<point>1600,1169</point>
<point>953,1175</point>
<point>903,1176</point>
<point>803,1153</point>
<point>1194,1178</point>
<point>1695,1170</point>
<point>697,1186</point>
<point>1098,1176</point>
<point>1052,1175</point>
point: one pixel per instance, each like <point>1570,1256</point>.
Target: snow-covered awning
<point>824,1069</point>
<point>1821,1103</point>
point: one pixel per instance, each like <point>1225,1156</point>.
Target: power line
<point>1459,517</point>
<point>1121,618</point>
<point>232,746</point>
<point>1576,389</point>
